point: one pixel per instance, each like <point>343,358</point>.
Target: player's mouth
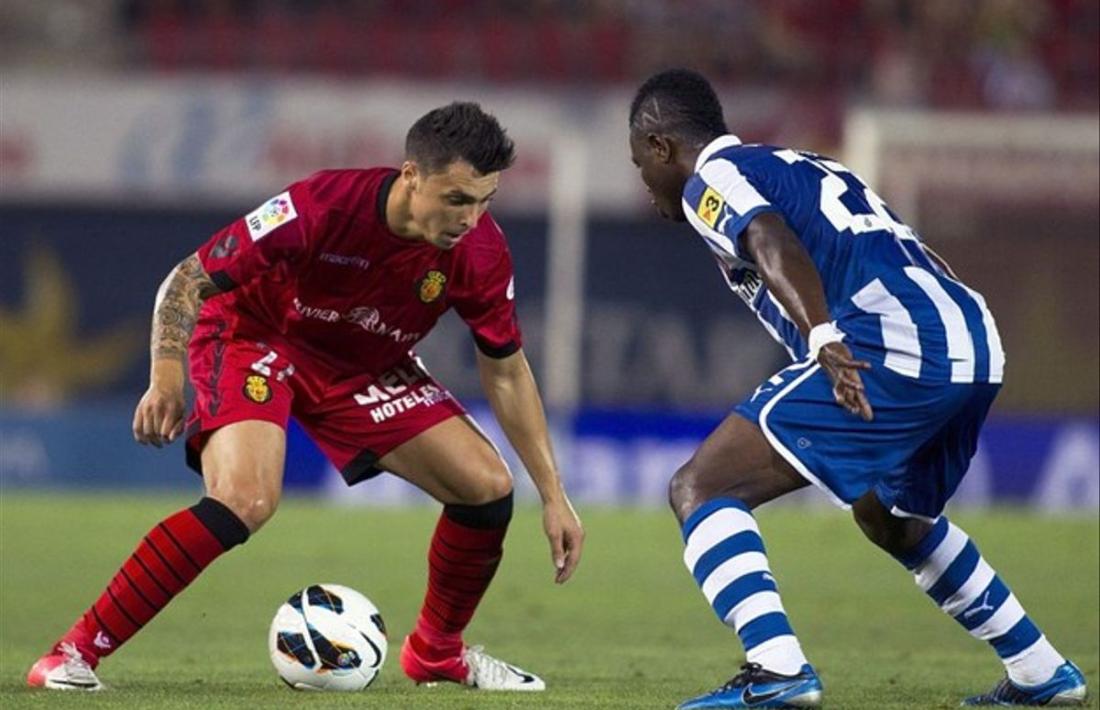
<point>452,238</point>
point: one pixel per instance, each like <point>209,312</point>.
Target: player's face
<point>653,156</point>
<point>447,204</point>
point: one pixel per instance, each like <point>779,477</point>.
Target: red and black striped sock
<point>168,558</point>
<point>466,549</point>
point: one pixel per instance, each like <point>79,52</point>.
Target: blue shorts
<point>913,454</point>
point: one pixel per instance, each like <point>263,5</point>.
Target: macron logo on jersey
<point>272,214</point>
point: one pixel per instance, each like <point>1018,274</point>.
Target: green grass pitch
<point>630,631</point>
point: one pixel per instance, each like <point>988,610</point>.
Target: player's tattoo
<point>177,308</point>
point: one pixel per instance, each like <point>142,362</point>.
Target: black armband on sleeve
<point>496,352</point>
<point>223,281</point>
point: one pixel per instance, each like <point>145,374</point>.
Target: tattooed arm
<point>177,308</point>
<point>158,419</point>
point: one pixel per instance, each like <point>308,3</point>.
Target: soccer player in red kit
<point>309,306</point>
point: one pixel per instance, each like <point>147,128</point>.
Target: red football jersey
<point>316,274</point>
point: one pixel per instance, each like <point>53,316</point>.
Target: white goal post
<point>1023,156</point>
<point>566,237</point>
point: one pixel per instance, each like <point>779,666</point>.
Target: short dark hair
<point>681,102</point>
<point>459,131</point>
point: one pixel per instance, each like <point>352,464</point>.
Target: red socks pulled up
<point>465,551</point>
<point>167,559</point>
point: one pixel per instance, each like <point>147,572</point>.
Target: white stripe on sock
<point>717,527</point>
<point>753,607</point>
<point>1007,616</point>
<point>1035,664</point>
<point>731,570</point>
<point>782,654</point>
<point>929,571</point>
<point>977,582</point>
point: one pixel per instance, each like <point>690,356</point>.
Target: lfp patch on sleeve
<point>272,214</point>
<point>710,206</point>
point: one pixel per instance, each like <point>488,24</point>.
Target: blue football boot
<point>755,687</point>
<point>1066,687</point>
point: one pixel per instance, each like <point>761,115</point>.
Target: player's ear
<point>410,173</point>
<point>661,147</point>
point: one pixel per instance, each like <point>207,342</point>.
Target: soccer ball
<point>327,637</point>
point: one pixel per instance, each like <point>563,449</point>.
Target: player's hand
<point>843,370</point>
<point>158,419</point>
<point>566,535</point>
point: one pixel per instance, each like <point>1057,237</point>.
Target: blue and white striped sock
<point>949,568</point>
<point>725,554</point>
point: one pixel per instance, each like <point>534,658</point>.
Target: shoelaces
<point>484,669</point>
<point>75,665</point>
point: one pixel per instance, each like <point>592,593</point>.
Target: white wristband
<point>821,335</point>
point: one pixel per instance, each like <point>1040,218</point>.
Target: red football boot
<point>472,667</point>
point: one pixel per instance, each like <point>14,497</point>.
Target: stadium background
<point>131,129</point>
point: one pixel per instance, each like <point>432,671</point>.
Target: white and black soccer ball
<point>327,637</point>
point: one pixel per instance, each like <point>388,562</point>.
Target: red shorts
<point>354,420</point>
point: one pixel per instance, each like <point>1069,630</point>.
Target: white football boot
<point>488,673</point>
<point>63,670</point>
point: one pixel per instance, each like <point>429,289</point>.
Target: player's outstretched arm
<point>790,275</point>
<point>158,419</point>
<point>512,393</point>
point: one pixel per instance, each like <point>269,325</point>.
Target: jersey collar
<point>383,195</point>
<point>720,143</point>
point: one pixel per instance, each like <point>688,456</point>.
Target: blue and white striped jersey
<point>881,287</point>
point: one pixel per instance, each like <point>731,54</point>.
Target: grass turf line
<point>630,631</point>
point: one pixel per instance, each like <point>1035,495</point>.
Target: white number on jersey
<point>838,214</point>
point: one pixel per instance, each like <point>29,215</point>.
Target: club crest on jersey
<point>257,389</point>
<point>710,207</point>
<point>431,286</point>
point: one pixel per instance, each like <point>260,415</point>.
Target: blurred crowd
<point>1015,54</point>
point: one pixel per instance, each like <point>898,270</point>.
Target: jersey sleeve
<point>719,201</point>
<point>488,304</point>
<point>276,231</point>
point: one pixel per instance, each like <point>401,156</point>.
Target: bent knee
<point>685,492</point>
<point>253,504</point>
<point>893,534</point>
<point>680,485</point>
<point>494,488</point>
<point>490,484</point>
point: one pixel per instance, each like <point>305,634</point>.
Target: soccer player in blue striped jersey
<point>896,363</point>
